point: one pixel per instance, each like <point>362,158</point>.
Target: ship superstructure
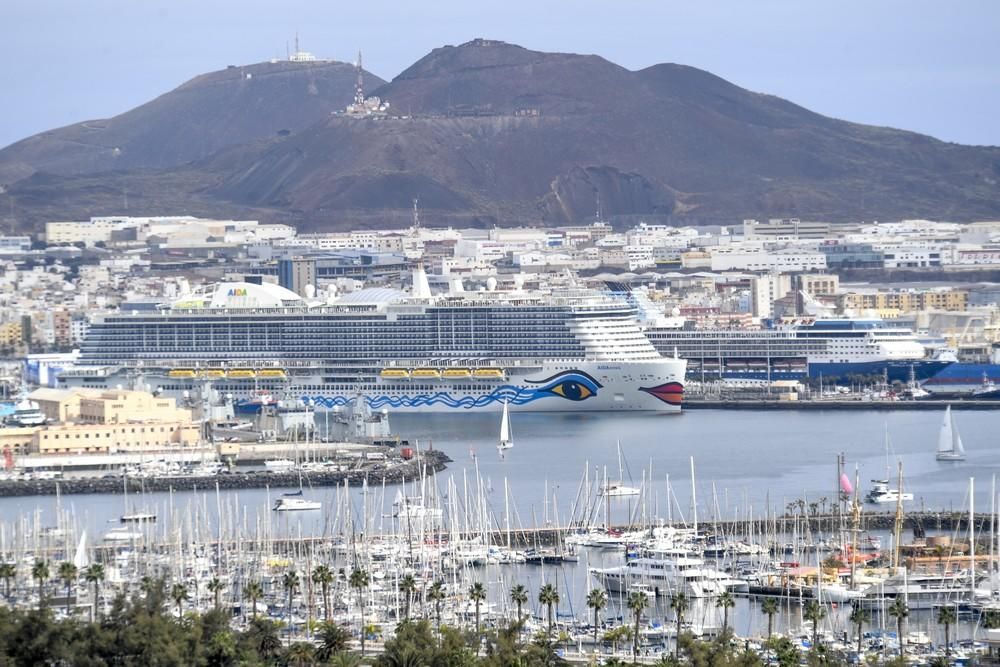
<point>573,349</point>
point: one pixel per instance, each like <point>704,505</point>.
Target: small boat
<point>394,373</point>
<point>271,373</point>
<point>949,441</point>
<point>425,373</point>
<point>619,490</point>
<point>881,493</point>
<point>213,373</point>
<point>506,440</point>
<point>488,373</point>
<point>279,465</point>
<point>241,373</point>
<point>182,373</point>
<point>456,373</point>
<point>123,534</point>
<point>138,517</point>
<point>26,413</point>
<point>296,503</point>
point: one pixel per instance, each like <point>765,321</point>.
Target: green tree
<point>814,613</point>
<point>725,602</point>
<point>179,593</point>
<point>359,581</point>
<point>597,599</point>
<point>899,611</point>
<point>68,573</point>
<point>322,576</point>
<point>407,586</point>
<point>548,596</point>
<point>8,572</point>
<point>678,604</point>
<point>770,609</point>
<point>436,595</point>
<point>94,575</point>
<point>300,654</point>
<point>947,618</point>
<point>333,639</point>
<point>253,591</point>
<point>291,582</point>
<point>40,573</point>
<point>860,616</point>
<point>519,596</point>
<point>637,603</point>
<point>477,593</point>
<point>215,587</point>
<point>263,637</point>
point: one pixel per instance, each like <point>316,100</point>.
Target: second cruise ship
<point>560,350</point>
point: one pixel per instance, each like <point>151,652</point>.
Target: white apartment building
<point>740,258</point>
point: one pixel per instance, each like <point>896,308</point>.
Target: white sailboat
<point>949,441</point>
<point>506,439</point>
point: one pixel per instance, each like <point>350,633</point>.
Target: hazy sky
<point>928,66</point>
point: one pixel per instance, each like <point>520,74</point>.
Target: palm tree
<point>637,602</point>
<point>770,608</point>
<point>8,572</point>
<point>94,575</point>
<point>68,572</point>
<point>215,586</point>
<point>359,581</point>
<point>814,613</point>
<point>436,594</point>
<point>290,581</point>
<point>549,597</point>
<point>899,611</point>
<point>323,576</point>
<point>726,602</point>
<point>407,585</point>
<point>860,616</point>
<point>519,596</point>
<point>179,593</point>
<point>253,591</point>
<point>40,573</point>
<point>679,604</point>
<point>333,639</point>
<point>596,600</point>
<point>300,654</point>
<point>477,593</point>
<point>946,617</point>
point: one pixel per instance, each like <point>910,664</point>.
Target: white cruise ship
<point>564,350</point>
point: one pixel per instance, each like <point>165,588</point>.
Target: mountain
<point>492,133</point>
<point>233,106</point>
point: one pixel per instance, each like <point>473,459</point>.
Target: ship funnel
<point>421,288</point>
<point>456,285</point>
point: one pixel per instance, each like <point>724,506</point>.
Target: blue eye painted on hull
<point>571,385</point>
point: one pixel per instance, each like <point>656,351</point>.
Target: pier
<point>773,403</point>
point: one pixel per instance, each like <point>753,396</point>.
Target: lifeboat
<point>456,373</point>
<point>182,373</point>
<point>241,374</point>
<point>395,373</point>
<point>425,373</point>
<point>271,373</point>
<point>213,373</point>
<point>488,373</point>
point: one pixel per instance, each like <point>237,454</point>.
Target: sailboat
<point>618,489</point>
<point>506,439</point>
<point>949,441</point>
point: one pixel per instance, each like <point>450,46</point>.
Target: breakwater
<point>395,472</point>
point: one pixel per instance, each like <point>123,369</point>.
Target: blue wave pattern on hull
<point>568,385</point>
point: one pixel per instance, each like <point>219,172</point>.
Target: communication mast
<point>359,88</point>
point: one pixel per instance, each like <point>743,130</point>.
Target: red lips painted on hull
<point>671,393</point>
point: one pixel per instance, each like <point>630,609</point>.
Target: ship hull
<point>894,370</point>
<point>558,386</point>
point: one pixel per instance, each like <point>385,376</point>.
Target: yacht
<point>26,413</point>
<point>295,503</point>
<point>925,591</point>
<point>666,576</point>
<point>880,493</point>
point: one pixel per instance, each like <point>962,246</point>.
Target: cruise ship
<point>827,348</point>
<point>566,350</point>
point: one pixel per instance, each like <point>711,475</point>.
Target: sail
<point>945,439</point>
<point>80,559</point>
<point>956,440</point>
<point>505,439</point>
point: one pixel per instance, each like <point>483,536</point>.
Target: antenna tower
<point>359,89</point>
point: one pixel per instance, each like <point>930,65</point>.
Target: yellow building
<point>10,334</point>
<point>112,406</point>
<point>114,438</point>
<point>908,302</point>
<point>17,440</point>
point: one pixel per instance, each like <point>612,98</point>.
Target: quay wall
<point>764,403</point>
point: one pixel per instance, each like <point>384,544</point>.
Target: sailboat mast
<point>898,525</point>
<point>694,499</point>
